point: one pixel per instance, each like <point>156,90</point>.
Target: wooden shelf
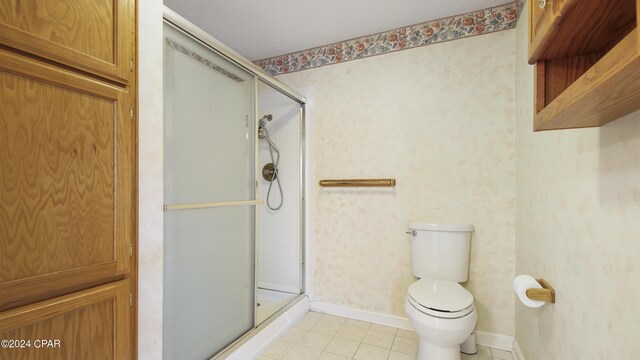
<point>587,58</point>
<point>606,91</point>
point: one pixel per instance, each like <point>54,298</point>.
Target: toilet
<point>440,310</point>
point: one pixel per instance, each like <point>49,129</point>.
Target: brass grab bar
<point>358,183</point>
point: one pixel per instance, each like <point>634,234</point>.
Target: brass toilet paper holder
<point>547,293</point>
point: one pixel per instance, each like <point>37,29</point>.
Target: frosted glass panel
<point>209,156</point>
<point>209,124</point>
<point>208,280</point>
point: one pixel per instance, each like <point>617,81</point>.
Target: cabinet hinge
<point>130,299</point>
<point>131,65</point>
<point>131,113</point>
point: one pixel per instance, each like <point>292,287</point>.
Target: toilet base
<point>428,351</point>
<point>444,335</point>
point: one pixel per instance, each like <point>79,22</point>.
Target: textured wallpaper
<point>439,119</point>
<point>578,226</point>
<point>150,177</point>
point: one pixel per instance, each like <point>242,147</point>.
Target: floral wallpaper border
<point>520,6</point>
<point>480,22</point>
<point>202,60</point>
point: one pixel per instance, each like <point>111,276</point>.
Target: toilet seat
<point>442,299</point>
<point>441,314</point>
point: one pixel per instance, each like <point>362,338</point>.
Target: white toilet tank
<point>441,251</point>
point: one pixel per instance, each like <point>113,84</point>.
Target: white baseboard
<point>363,315</point>
<point>261,341</point>
<point>267,335</point>
<point>517,352</point>
<point>497,341</point>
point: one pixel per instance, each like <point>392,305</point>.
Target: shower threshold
<point>270,301</point>
<point>251,344</point>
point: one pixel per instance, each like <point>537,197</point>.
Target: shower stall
<point>280,165</point>
<point>233,195</point>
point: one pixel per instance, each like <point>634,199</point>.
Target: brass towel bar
<point>358,183</point>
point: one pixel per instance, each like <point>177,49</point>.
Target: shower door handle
<point>192,206</point>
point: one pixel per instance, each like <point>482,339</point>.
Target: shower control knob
<point>269,172</point>
<point>411,232</point>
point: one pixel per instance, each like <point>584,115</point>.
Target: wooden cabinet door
<point>543,15</point>
<point>95,36</point>
<point>67,172</point>
<point>538,8</point>
<point>90,324</point>
<point>66,180</point>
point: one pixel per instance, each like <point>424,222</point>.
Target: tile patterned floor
<point>327,337</point>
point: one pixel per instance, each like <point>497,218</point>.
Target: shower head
<point>261,125</point>
<point>262,121</point>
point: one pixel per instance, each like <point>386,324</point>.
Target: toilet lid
<point>440,295</point>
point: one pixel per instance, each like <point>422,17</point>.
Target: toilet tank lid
<point>441,227</point>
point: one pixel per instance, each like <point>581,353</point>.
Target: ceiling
<point>259,29</point>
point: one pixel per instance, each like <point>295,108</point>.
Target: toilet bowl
<point>440,310</point>
<point>443,316</point>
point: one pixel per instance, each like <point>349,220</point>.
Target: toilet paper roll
<point>520,285</point>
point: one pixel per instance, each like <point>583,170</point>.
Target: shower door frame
<point>181,24</point>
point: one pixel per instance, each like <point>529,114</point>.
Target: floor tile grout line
<point>342,321</point>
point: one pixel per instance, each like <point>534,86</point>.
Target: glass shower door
<point>209,196</point>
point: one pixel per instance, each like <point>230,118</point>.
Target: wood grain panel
<point>56,178</point>
<point>39,288</point>
<point>580,27</point>
<point>86,26</point>
<point>542,17</point>
<point>67,177</point>
<point>543,21</point>
<point>608,90</point>
<point>539,92</point>
<point>94,36</point>
<point>66,164</point>
<point>561,73</point>
<point>92,324</point>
